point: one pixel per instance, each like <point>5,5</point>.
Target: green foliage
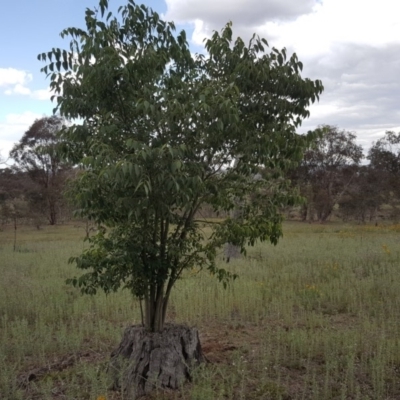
<point>36,154</point>
<point>328,167</point>
<point>163,134</point>
<point>385,162</point>
<point>385,153</point>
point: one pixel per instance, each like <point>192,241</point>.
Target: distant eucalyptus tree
<point>384,156</point>
<point>36,154</point>
<point>328,168</point>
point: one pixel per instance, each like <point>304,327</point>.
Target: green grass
<point>316,317</point>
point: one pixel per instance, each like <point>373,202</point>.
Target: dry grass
<point>316,317</point>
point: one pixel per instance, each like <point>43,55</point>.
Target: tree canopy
<point>384,156</point>
<point>36,154</point>
<point>165,132</point>
<point>385,153</point>
<point>327,169</point>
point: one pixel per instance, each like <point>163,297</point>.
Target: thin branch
<point>207,222</point>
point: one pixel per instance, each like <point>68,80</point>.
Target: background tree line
<point>335,179</point>
<point>31,190</point>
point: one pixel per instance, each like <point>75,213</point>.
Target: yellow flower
<point>386,249</point>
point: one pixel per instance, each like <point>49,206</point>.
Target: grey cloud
<point>362,82</point>
<point>215,13</point>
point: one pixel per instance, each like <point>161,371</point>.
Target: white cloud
<point>12,77</point>
<point>18,89</point>
<point>309,26</point>
<point>42,94</point>
<point>359,22</point>
<point>13,127</point>
<point>353,46</point>
<point>246,12</point>
<point>15,82</point>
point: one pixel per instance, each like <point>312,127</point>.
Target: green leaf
<point>165,135</point>
<point>176,165</point>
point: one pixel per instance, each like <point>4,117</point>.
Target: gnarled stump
<point>148,360</point>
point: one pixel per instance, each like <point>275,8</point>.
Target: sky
<point>353,46</point>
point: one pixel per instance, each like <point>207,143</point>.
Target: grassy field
<point>316,317</point>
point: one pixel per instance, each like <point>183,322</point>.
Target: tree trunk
<point>155,302</point>
<point>310,211</point>
<point>231,251</point>
<point>147,360</point>
<point>15,232</point>
<point>52,212</point>
<point>304,212</point>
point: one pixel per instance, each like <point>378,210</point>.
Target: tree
<point>14,208</point>
<point>36,155</point>
<point>384,156</point>
<point>362,196</point>
<point>327,170</point>
<point>385,153</point>
<point>164,133</point>
<point>11,184</point>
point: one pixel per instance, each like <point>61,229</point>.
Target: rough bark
<point>147,360</point>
